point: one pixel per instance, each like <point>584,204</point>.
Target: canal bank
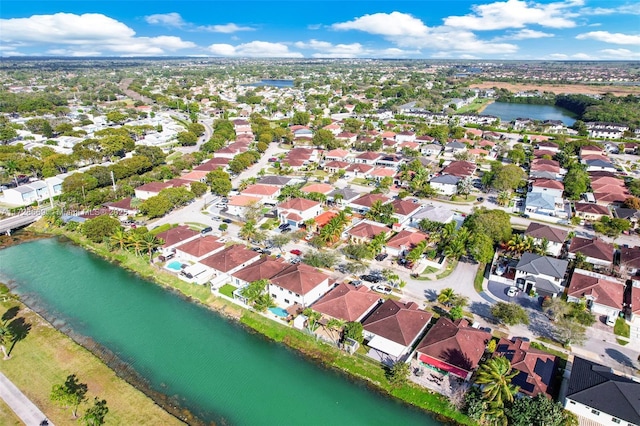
<point>328,356</point>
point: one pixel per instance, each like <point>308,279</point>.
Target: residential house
<point>555,237</point>
<point>548,146</point>
<point>392,329</point>
<point>175,236</point>
<point>433,214</point>
<point>405,136</point>
<point>445,184</point>
<point>366,230</point>
<point>363,204</point>
<point>299,283</point>
<point>604,295</point>
<point>214,164</point>
<point>151,189</point>
<point>336,155</point>
<point>431,149</point>
<point>268,194</point>
<point>264,268</point>
<point>548,186</point>
<point>461,169</point>
<point>23,195</point>
<point>358,170</point>
<point>368,157</point>
<point>221,265</point>
<point>343,196</point>
<point>629,258</point>
<point>347,137</point>
<point>453,347</point>
<point>122,207</point>
<point>540,205</point>
<point>198,248</point>
<point>298,210</point>
<point>239,204</point>
<point>347,303</point>
<point>632,215</point>
<point>540,274</point>
<point>405,240</point>
<point>590,211</point>
<point>335,166</point>
<point>596,252</point>
<point>279,181</point>
<point>536,368</point>
<point>597,395</point>
<point>403,210</point>
<point>320,188</point>
<point>590,150</point>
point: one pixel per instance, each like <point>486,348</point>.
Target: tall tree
<point>94,416</point>
<point>496,375</point>
<point>69,394</point>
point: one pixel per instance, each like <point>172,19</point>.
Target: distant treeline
<point>609,108</point>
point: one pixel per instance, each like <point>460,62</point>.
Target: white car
<point>513,291</point>
<point>500,270</point>
<point>382,289</point>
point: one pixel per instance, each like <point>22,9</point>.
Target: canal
<point>213,366</point>
<point>507,112</point>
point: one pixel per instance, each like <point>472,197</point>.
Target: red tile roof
<point>396,321</point>
<point>604,291</point>
<point>175,235</point>
<point>404,207</point>
<point>347,303</point>
<point>407,239</point>
<point>368,230</point>
<point>300,278</point>
<point>455,343</point>
<point>591,208</point>
<point>459,169</point>
<point>594,248</point>
<point>537,368</point>
<point>263,269</point>
<point>230,258</point>
<point>367,200</point>
<point>201,246</point>
<point>299,204</point>
<point>547,183</point>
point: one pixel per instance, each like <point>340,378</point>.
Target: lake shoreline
<point>243,317</point>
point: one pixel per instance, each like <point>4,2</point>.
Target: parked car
<point>371,278</point>
<point>285,230</point>
<point>296,252</point>
<point>207,229</point>
<point>513,291</point>
<point>381,257</point>
<point>501,269</point>
<point>381,289</point>
<point>284,225</point>
<point>480,199</point>
<point>355,283</point>
<point>273,159</point>
<point>227,220</point>
<point>610,320</point>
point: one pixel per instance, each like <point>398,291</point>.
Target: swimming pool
<point>174,266</point>
<point>279,312</point>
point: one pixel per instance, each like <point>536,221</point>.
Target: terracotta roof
<point>367,200</point>
<point>537,368</point>
<point>383,172</point>
<point>243,200</point>
<point>337,153</point>
<point>195,175</point>
<point>610,197</point>
<point>594,248</point>
<point>299,278</point>
<point>359,167</point>
<point>460,169</point>
<point>548,183</point>
<point>606,180</point>
<point>324,217</point>
<point>201,246</point>
<point>347,302</point>
<point>265,268</point>
<point>369,155</point>
<point>322,188</point>
<point>154,186</point>
<point>545,168</point>
<point>542,152</point>
<point>404,207</point>
<point>230,258</point>
<point>455,343</point>
<point>124,204</point>
<point>368,230</point>
<point>407,239</point>
<point>591,208</point>
<point>604,291</point>
<point>548,144</point>
<point>335,164</point>
<point>604,187</point>
<point>175,235</point>
<point>630,257</point>
<point>396,321</point>
<point>260,189</point>
<point>635,300</point>
<point>541,231</point>
<point>299,204</point>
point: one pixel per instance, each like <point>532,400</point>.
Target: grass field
<point>55,356</point>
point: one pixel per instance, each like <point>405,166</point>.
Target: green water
<point>213,366</point>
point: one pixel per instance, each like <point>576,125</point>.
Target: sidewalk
<point>20,404</point>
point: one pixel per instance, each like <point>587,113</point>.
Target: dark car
<point>284,226</point>
<point>227,220</point>
<point>207,229</point>
<point>370,278</point>
<point>285,230</point>
<point>381,257</point>
<point>273,159</point>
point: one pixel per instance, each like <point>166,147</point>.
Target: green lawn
<point>228,290</point>
<point>448,270</point>
<point>161,228</point>
<point>477,281</point>
<point>621,328</point>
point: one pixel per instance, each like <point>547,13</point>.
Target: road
<point>20,404</point>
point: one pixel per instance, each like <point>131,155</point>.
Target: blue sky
<point>456,29</point>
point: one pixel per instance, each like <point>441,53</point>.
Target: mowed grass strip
<point>46,357</point>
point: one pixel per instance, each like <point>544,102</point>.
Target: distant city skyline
<point>456,29</point>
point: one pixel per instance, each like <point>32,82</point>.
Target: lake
<point>507,112</point>
<point>216,368</point>
<point>273,83</point>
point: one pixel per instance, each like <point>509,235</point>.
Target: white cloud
<point>67,52</point>
<point>620,54</point>
<point>225,29</point>
<point>613,38</point>
<point>582,56</point>
<point>386,24</point>
<point>325,49</point>
<point>525,34</point>
<point>172,19</point>
<point>255,49</point>
<point>515,14</point>
<point>558,56</point>
<point>408,32</point>
<point>90,34</point>
<point>626,9</point>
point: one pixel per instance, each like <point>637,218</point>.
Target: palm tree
<point>448,231</point>
<point>543,247</point>
<point>503,198</point>
<point>312,318</point>
<point>377,243</point>
<point>248,230</point>
<point>119,239</point>
<point>496,375</point>
<point>446,296</point>
<point>150,243</point>
<point>6,337</point>
<point>454,249</point>
<point>335,324</point>
<point>135,243</point>
<point>338,198</point>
